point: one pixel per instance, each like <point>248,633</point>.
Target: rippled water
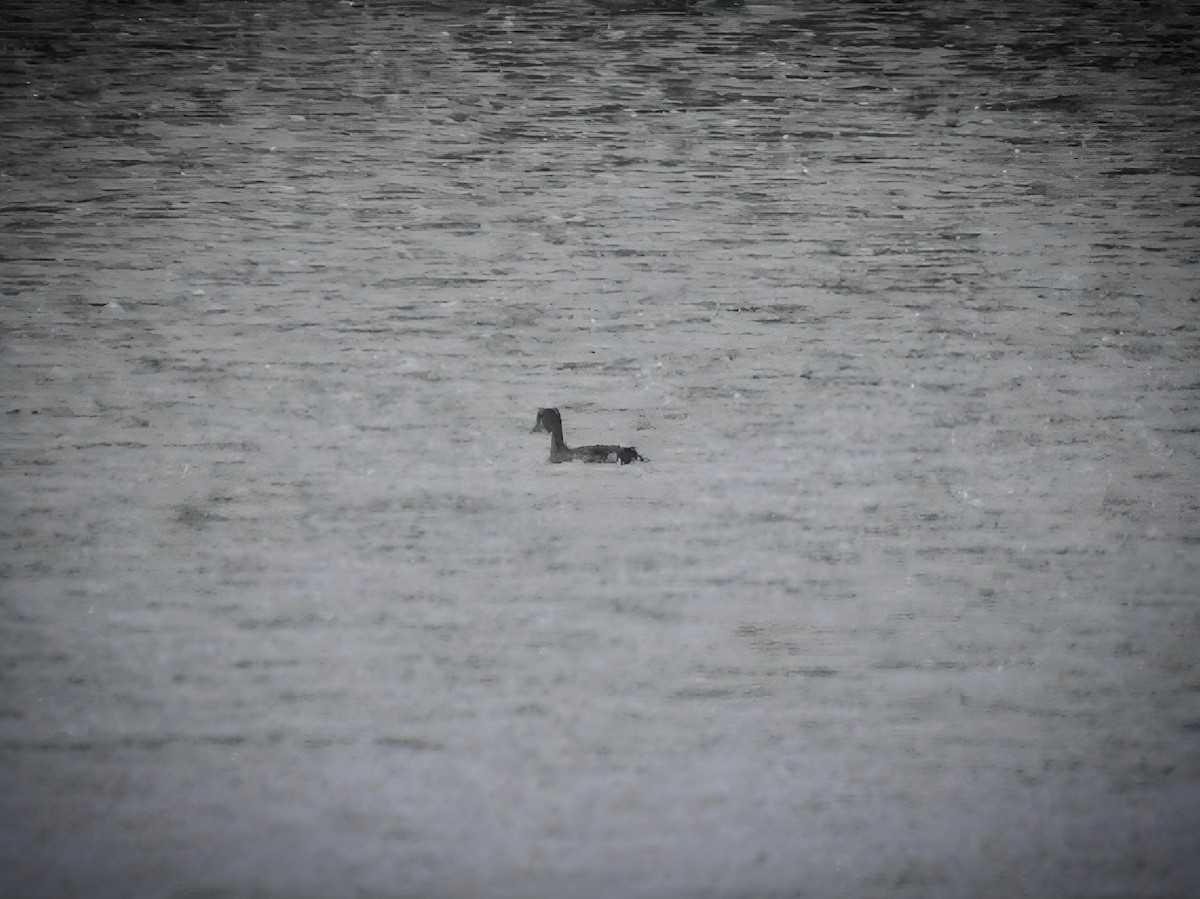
<point>900,299</point>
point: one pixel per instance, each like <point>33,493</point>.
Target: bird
<point>550,421</point>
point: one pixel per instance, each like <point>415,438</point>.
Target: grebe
<point>550,421</point>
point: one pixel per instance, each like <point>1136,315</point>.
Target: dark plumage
<point>550,421</point>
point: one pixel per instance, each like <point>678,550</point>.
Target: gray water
<point>900,300</point>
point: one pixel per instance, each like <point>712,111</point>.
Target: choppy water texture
<point>900,299</point>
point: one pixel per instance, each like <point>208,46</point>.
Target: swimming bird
<point>550,421</point>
